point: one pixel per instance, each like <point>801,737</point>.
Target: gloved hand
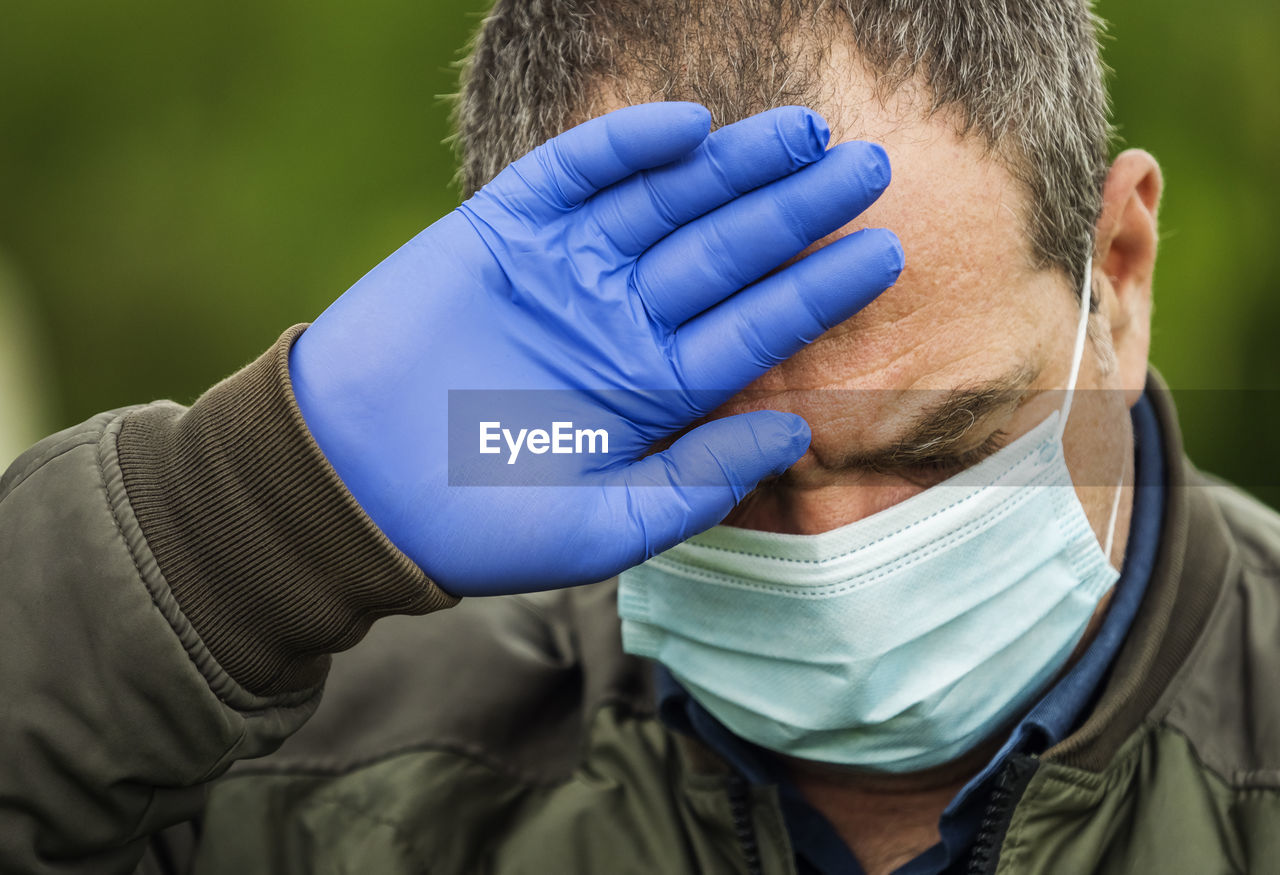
<point>619,265</point>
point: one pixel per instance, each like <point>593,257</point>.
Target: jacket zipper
<point>1011,783</point>
<point>743,827</point>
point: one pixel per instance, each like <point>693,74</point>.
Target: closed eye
<point>924,469</point>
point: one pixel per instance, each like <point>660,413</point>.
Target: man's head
<point>994,117</point>
<point>1023,79</point>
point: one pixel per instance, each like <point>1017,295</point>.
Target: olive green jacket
<point>174,580</point>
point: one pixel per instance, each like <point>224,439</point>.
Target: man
<point>964,620</point>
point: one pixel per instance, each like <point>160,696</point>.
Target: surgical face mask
<point>895,643</point>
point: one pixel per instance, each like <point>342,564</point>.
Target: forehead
<point>970,304</point>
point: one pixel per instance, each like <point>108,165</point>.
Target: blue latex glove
<point>621,265</point>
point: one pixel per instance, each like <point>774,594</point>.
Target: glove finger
<point>733,160</point>
<point>566,170</point>
<point>709,259</point>
<point>730,345</point>
<point>706,472</point>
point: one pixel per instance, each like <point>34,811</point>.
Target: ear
<point>1126,251</point>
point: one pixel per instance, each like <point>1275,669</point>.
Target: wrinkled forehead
<point>969,312</point>
<point>971,304</point>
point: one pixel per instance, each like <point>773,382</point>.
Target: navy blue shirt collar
<point>818,847</point>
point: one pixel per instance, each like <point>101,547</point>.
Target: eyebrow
<point>944,428</point>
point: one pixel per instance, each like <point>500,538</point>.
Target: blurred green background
<point>179,182</point>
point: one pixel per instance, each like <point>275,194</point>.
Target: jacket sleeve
<point>172,581</point>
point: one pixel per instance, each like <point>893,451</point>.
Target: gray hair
<point>1022,75</point>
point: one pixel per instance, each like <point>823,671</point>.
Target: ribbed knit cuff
<point>268,554</point>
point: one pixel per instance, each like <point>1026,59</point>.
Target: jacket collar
<point>1185,584</point>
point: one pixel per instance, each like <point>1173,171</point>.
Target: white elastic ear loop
<point>1086,295</point>
<point>1077,356</point>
